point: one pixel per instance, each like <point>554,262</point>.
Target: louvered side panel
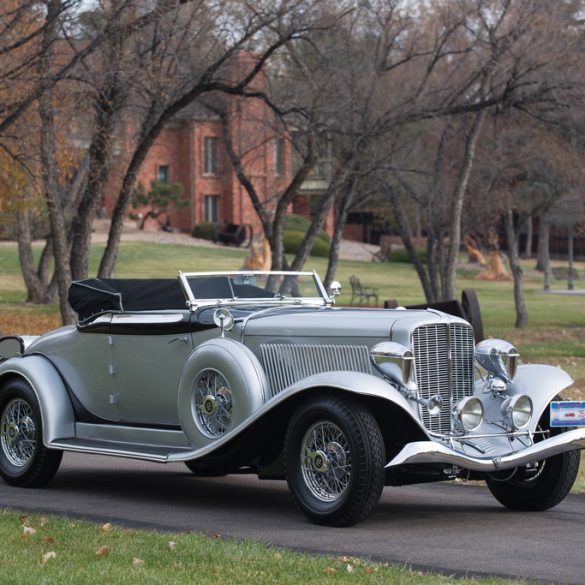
<point>286,363</point>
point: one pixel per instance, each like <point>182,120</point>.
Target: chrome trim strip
<point>113,452</point>
<point>430,452</point>
<point>145,318</point>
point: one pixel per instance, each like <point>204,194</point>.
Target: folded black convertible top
<point>96,295</point>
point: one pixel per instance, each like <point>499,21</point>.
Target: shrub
<point>401,255</point>
<point>298,223</point>
<point>293,239</point>
<point>205,231</point>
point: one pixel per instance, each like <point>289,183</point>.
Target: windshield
<point>212,288</point>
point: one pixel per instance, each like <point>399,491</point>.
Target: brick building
<point>191,151</point>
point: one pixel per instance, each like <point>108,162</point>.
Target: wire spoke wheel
<point>334,456</point>
<point>326,461</point>
<point>213,403</point>
<point>24,459</point>
<point>18,432</point>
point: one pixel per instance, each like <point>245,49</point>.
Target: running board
<point>129,450</point>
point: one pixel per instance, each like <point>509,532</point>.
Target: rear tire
<point>24,460</point>
<point>335,456</point>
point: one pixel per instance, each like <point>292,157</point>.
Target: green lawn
<point>58,551</point>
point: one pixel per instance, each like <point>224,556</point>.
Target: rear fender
<point>56,408</point>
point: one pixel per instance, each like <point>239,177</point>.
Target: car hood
<point>341,322</point>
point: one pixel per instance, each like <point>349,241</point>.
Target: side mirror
<point>335,289</point>
<point>223,319</point>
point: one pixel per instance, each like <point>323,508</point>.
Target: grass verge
<point>59,551</point>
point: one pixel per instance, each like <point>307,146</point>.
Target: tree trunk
<point>528,244</point>
<point>541,244</point>
<point>151,128</point>
<point>304,250</point>
<point>50,183</point>
<point>35,289</point>
<point>545,234</point>
<point>405,235</point>
<point>457,206</point>
<point>570,284</point>
<point>341,213</point>
<point>94,189</point>
<point>517,272</point>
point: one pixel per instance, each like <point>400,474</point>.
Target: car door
<point>149,351</point>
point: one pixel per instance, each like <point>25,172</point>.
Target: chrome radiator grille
<point>443,363</point>
<point>286,364</point>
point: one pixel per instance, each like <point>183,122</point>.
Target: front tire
<point>335,456</point>
<point>24,460</point>
<point>542,487</point>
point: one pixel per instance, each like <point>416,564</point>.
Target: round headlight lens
<point>518,410</point>
<point>469,412</point>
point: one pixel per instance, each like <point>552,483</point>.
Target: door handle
<point>184,339</point>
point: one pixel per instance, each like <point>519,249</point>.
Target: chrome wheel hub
<point>18,433</point>
<point>325,461</point>
<point>213,403</point>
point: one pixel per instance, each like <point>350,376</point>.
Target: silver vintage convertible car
<point>261,373</point>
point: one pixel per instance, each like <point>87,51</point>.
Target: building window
<point>163,174</point>
<point>211,208</point>
<point>211,155</point>
<point>279,157</point>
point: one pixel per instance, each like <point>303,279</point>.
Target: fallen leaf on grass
<point>28,531</point>
<point>330,571</point>
<point>172,545</point>
<point>136,562</point>
<point>48,540</point>
<point>102,551</point>
<point>277,556</point>
<point>24,519</point>
<point>349,568</point>
<point>106,527</point>
<point>43,521</point>
<point>48,556</point>
<point>369,570</point>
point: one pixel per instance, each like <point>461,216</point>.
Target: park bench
<point>563,273</point>
<point>360,292</point>
<point>467,309</point>
<point>235,234</point>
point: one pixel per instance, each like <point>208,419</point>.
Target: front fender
<point>352,382</point>
<point>542,383</point>
<point>56,408</point>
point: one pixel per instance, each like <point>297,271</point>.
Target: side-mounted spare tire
<point>221,386</point>
<point>24,460</point>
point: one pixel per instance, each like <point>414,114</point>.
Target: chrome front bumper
<point>430,452</point>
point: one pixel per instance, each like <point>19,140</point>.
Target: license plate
<point>567,413</point>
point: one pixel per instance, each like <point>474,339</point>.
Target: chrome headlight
<point>517,410</point>
<point>469,413</point>
<point>498,357</point>
<point>393,360</point>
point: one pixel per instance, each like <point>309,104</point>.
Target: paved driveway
<point>452,528</point>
